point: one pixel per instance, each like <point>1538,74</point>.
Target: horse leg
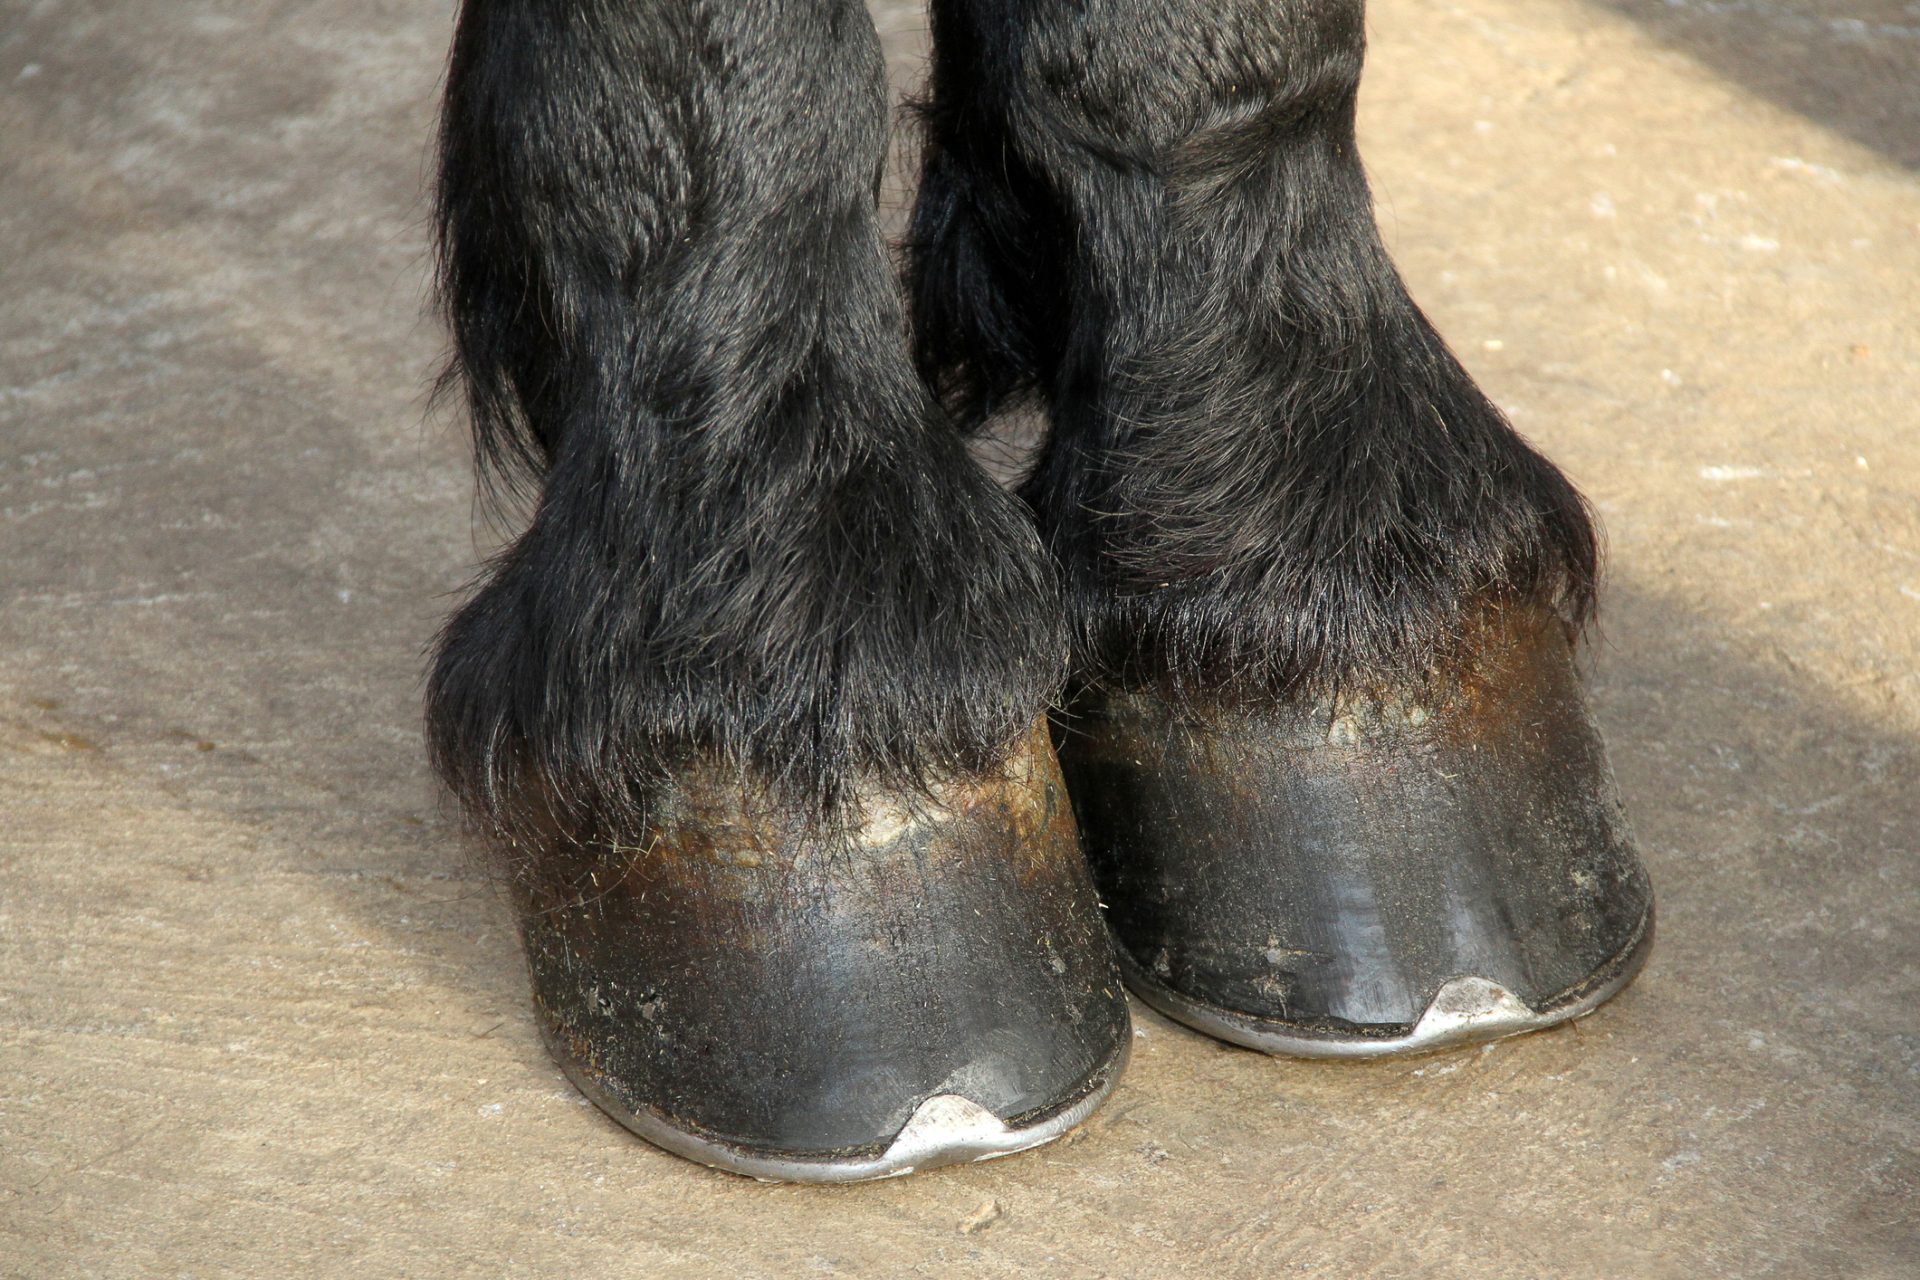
<point>752,709</point>
<point>1335,771</point>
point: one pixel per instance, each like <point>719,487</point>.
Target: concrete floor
<point>259,1018</point>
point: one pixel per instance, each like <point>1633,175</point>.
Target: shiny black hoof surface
<point>930,986</point>
<point>1371,874</point>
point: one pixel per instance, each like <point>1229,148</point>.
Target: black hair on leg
<point>754,538</point>
<point>1267,472</point>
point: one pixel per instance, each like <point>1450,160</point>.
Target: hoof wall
<point>803,1001</point>
<point>1379,872</point>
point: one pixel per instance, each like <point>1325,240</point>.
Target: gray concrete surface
<point>259,1018</point>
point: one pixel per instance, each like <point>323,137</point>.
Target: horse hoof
<point>1369,874</point>
<point>929,984</point>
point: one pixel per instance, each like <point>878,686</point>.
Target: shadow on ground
<point>1853,66</point>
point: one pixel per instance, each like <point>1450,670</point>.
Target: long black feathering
<point>1267,472</point>
<point>754,538</point>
